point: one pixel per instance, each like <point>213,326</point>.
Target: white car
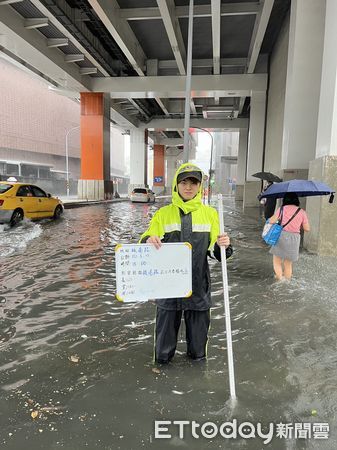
<point>143,195</point>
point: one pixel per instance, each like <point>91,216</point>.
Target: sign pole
<point>227,309</point>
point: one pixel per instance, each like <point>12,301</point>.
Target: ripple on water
<point>16,239</point>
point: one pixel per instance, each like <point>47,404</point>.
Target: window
<point>44,173</point>
<point>24,191</point>
<point>4,188</point>
<point>37,192</point>
<point>29,171</point>
<point>139,191</point>
<point>12,169</point>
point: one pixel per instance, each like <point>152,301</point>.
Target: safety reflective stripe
<point>206,227</point>
<point>167,219</point>
<point>172,227</point>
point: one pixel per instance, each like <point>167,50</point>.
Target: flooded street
<point>81,362</point>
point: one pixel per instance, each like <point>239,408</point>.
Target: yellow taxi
<point>23,200</point>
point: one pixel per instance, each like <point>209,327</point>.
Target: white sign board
<point>143,272</point>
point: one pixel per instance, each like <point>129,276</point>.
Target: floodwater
<point>81,363</point>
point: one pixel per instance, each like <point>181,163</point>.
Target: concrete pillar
<point>224,170</point>
<point>95,182</point>
<point>158,168</point>
<point>171,156</point>
<point>305,49</point>
<point>170,171</point>
<point>224,167</point>
<point>242,165</point>
<point>218,150</point>
<point>138,159</point>
<point>322,238</point>
<point>327,119</point>
<point>275,101</point>
<point>255,148</point>
<point>234,165</point>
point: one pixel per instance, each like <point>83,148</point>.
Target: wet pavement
<point>76,366</point>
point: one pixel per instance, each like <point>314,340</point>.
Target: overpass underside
<point>263,69</point>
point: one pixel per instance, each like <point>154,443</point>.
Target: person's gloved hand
<point>223,240</point>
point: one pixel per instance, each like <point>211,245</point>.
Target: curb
<point>79,204</point>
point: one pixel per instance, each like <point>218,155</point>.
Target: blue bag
<point>272,231</point>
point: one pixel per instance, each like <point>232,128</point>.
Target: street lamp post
<point>67,156</point>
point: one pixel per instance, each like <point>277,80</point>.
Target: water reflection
<point>84,362</point>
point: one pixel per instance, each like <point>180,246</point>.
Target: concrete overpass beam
<point>31,46</point>
<point>174,86</point>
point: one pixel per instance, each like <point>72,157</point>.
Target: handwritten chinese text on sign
<point>143,272</point>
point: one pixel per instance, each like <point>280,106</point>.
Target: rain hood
<point>190,205</point>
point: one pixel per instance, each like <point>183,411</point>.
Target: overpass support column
<point>138,158</point>
<point>242,163</point>
<point>255,148</point>
<point>95,182</point>
<point>302,94</point>
<point>322,239</point>
<point>158,168</point>
<point>171,156</point>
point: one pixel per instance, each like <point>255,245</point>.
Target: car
<point>23,200</point>
<point>144,195</point>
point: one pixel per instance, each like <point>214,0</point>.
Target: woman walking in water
<point>286,250</point>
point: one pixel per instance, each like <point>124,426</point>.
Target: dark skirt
<point>287,246</point>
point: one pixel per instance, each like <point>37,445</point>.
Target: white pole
<point>188,83</point>
<point>67,164</point>
<point>226,302</point>
<point>67,158</point>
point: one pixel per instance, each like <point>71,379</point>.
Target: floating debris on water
<point>34,414</point>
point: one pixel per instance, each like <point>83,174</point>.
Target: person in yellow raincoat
<point>187,219</point>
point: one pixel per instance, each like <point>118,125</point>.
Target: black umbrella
<point>268,176</point>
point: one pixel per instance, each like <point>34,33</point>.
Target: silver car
<point>143,195</point>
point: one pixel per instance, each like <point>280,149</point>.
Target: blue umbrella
<point>303,188</point>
